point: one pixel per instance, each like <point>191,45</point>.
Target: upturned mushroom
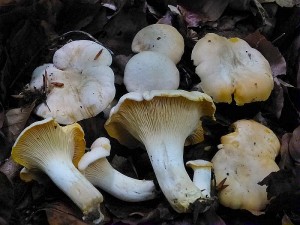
<point>162,38</point>
<point>230,67</point>
<point>96,168</point>
<point>162,121</point>
<point>148,71</point>
<point>245,158</point>
<point>46,146</point>
<point>79,84</point>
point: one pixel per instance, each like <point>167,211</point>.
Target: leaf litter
<point>31,31</point>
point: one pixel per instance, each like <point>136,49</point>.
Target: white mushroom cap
<point>99,149</point>
<point>148,71</point>
<point>81,54</point>
<point>229,67</point>
<point>73,96</point>
<point>160,38</point>
<point>245,158</point>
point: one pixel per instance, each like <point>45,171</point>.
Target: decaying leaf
<point>270,52</point>
<point>286,161</point>
<point>286,220</point>
<point>195,12</point>
<point>1,115</point>
<point>119,31</point>
<point>59,213</point>
<point>15,121</point>
<point>10,168</point>
<point>6,199</point>
<point>294,62</point>
<point>283,189</point>
<point>293,147</point>
<point>282,3</point>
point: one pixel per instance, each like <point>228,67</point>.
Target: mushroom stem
<point>167,162</point>
<point>103,175</point>
<point>202,175</point>
<point>76,187</point>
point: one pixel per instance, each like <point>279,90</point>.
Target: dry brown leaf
<point>59,213</point>
<point>15,121</point>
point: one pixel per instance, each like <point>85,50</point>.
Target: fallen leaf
<point>1,115</point>
<point>120,30</point>
<point>85,13</point>
<point>282,181</point>
<point>282,3</point>
<point>294,145</point>
<point>286,162</point>
<point>286,220</point>
<point>293,61</point>
<point>10,168</point>
<point>58,213</point>
<point>269,51</point>
<point>202,11</point>
<point>15,121</point>
<point>6,199</point>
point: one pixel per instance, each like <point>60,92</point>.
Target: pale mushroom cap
<point>139,115</point>
<point>199,163</point>
<point>161,38</point>
<point>243,173</point>
<point>252,138</point>
<point>229,67</point>
<point>99,149</point>
<point>148,71</point>
<point>245,158</point>
<point>45,139</point>
<point>50,148</point>
<point>74,96</point>
<point>81,54</point>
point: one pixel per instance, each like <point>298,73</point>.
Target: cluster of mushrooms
<point>153,114</point>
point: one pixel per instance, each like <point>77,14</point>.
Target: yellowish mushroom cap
<point>47,147</point>
<point>130,119</point>
<point>229,67</point>
<point>245,158</point>
<point>48,135</point>
<point>162,38</point>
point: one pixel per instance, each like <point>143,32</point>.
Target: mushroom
<point>162,120</point>
<point>100,173</point>
<point>202,175</point>
<point>78,85</point>
<point>245,158</point>
<point>230,67</point>
<point>162,38</point>
<point>81,54</point>
<point>46,146</point>
<point>148,71</point>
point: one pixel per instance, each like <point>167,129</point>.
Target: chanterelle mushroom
<point>50,148</point>
<point>202,174</point>
<point>100,173</point>
<point>162,38</point>
<point>79,84</point>
<point>229,67</point>
<point>148,71</point>
<point>245,158</point>
<point>162,121</point>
